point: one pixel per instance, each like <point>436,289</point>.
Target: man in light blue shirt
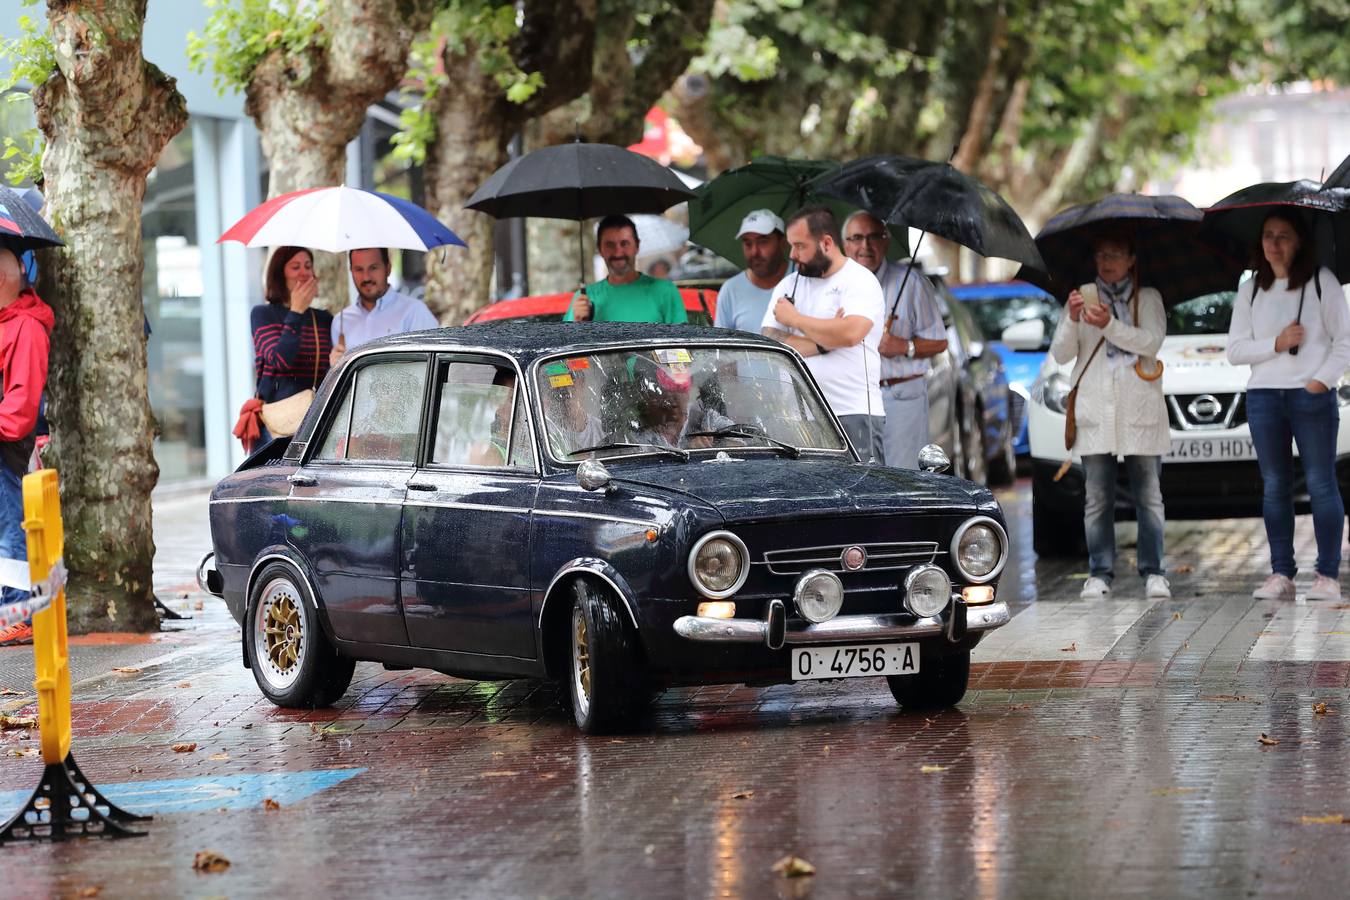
<point>744,298</point>
<point>379,310</point>
<point>914,334</point>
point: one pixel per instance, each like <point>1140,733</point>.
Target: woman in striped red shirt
<point>291,339</point>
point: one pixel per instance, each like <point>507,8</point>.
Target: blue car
<point>1001,305</point>
<point>617,507</point>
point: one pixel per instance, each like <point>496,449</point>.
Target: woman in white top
<point>1119,410</point>
<point>1291,325</point>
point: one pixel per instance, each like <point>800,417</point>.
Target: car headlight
<point>1343,390</point>
<point>718,564</point>
<point>928,590</point>
<point>979,549</point>
<point>819,595</point>
<point>1052,391</point>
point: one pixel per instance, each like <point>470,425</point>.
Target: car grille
<point>797,560</point>
<point>1206,412</point>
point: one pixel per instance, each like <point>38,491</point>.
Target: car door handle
<point>420,486</point>
<point>299,479</point>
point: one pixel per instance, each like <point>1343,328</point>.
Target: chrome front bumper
<point>984,617</point>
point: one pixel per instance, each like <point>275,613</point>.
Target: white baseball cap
<point>761,221</point>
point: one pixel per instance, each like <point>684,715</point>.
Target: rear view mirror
<point>1028,335</point>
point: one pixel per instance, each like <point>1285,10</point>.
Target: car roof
<point>997,289</point>
<point>696,299</point>
<point>528,340</point>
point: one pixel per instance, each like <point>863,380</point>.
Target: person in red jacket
<point>25,339</point>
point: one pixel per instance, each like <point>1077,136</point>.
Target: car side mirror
<point>592,475</point>
<point>933,459</point>
<point>1026,336</point>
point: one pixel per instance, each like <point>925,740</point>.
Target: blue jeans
<point>1277,419</point>
<point>1099,512</point>
<point>13,540</point>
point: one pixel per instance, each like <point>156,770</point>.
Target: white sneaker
<point>1275,587</point>
<point>1094,589</point>
<point>1157,587</point>
<point>1324,588</point>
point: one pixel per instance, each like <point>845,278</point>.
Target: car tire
<point>292,660</point>
<point>604,678</point>
<point>1055,533</point>
<point>1003,470</point>
<point>940,683</point>
<point>972,438</point>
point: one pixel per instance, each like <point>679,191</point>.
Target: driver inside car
<point>668,409</point>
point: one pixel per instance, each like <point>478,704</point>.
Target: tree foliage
<point>32,60</point>
<point>240,34</point>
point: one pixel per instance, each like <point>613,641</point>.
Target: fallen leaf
<point>8,723</point>
<point>92,890</point>
<point>270,805</point>
<point>184,747</point>
<point>25,753</point>
<point>502,774</point>
<point>1072,648</point>
<point>1183,569</point>
<point>547,776</point>
<point>199,605</point>
<point>1320,709</point>
<point>1228,698</point>
<point>219,756</point>
<point>126,670</point>
<point>1169,791</point>
<point>793,867</point>
<point>1021,706</point>
<point>183,684</point>
<point>742,795</point>
<point>10,692</point>
<point>135,770</point>
<point>825,749</point>
<point>1268,741</point>
<point>1185,645</point>
<point>1334,819</point>
<point>929,770</point>
<point>1176,617</point>
<point>209,861</point>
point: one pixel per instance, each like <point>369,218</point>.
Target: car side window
<point>480,419</point>
<point>377,420</point>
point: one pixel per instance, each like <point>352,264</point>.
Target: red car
<point>699,303</point>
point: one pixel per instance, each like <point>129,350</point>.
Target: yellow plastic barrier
<point>65,803</point>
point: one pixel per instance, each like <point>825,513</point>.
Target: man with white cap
<point>914,334</point>
<point>744,298</point>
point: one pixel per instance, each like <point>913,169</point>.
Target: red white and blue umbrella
<point>337,219</point>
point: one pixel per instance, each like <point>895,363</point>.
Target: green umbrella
<point>768,182</point>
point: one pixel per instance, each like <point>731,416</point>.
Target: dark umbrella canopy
<point>1341,177</point>
<point>775,183</point>
<point>937,198</point>
<point>21,228</point>
<point>578,181</point>
<point>1165,231</point>
<point>1234,223</point>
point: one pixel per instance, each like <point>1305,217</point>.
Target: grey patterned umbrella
<point>21,228</point>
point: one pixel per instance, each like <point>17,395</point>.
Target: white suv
<point>1211,470</point>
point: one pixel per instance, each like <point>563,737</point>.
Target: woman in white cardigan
<point>1291,325</point>
<point>1119,410</point>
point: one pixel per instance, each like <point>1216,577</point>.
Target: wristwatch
<point>909,349</point>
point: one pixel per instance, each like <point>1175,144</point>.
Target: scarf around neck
<point>1118,293</point>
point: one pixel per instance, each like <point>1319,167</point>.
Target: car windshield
<point>676,399</point>
<point>1209,314</point>
<point>996,313</point>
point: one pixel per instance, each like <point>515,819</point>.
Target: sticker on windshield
<point>580,362</point>
<point>672,355</point>
<point>559,381</point>
<point>555,369</point>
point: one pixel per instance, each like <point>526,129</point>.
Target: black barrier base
<point>66,805</point>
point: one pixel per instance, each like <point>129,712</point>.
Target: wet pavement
<point>1107,748</point>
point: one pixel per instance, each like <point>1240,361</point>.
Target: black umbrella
<point>934,197</point>
<point>1234,223</point>
<point>1164,229</point>
<point>579,181</point>
<point>1341,177</point>
<point>21,228</point>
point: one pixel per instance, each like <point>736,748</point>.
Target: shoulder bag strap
<point>1077,381</point>
<point>318,348</point>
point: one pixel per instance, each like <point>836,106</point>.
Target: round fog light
<point>927,591</point>
<point>819,595</point>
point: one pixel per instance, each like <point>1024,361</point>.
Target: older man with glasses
<point>914,335</point>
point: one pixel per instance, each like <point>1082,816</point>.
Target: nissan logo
<point>1204,409</point>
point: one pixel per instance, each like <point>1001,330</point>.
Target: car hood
<point>756,488</point>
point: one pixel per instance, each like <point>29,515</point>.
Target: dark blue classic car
<point>632,507</point>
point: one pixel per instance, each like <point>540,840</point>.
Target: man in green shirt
<point>625,294</point>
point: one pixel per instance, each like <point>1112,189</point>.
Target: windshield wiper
<point>749,432</point>
<point>618,445</point>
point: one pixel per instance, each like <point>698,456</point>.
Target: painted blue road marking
<point>174,795</point>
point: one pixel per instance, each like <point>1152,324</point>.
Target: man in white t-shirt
<point>830,311</point>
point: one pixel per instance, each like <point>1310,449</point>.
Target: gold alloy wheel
<point>279,633</point>
<point>582,655</point>
<point>283,631</point>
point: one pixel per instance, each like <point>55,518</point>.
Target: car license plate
<point>1200,450</point>
<point>855,661</point>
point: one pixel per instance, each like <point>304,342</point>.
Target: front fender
<point>554,611</point>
